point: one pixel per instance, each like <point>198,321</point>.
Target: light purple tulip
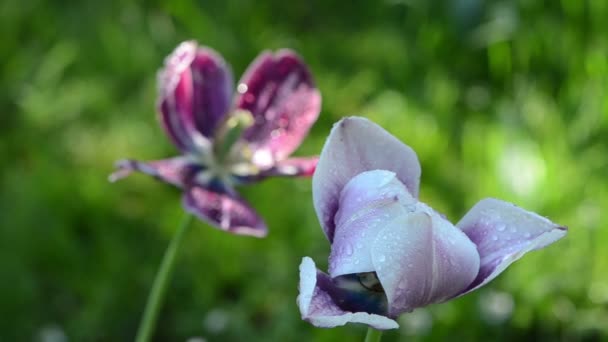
<point>224,142</point>
<point>391,253</point>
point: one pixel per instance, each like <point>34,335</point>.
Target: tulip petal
<point>224,211</point>
<point>368,202</point>
<point>356,145</point>
<point>177,171</point>
<point>503,233</point>
<point>421,258</point>
<point>278,90</point>
<point>175,95</point>
<point>318,306</point>
<point>194,94</point>
<point>213,87</point>
<point>292,167</point>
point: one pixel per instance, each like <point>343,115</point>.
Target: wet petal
<point>503,233</point>
<point>292,167</point>
<point>421,259</point>
<point>318,305</point>
<point>177,171</point>
<point>280,93</point>
<point>194,93</point>
<point>356,145</point>
<point>368,203</point>
<point>224,211</point>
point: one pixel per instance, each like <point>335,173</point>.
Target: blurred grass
<point>501,99</point>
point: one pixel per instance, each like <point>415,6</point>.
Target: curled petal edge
<point>317,307</point>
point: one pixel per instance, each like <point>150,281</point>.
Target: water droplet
<point>410,265</point>
<point>513,230</point>
<point>495,238</point>
<point>501,227</point>
<point>275,133</point>
<point>242,88</point>
<point>527,234</point>
<point>359,245</point>
<point>382,258</point>
<point>348,249</point>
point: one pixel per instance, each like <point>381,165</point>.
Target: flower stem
<point>373,335</point>
<point>159,287</point>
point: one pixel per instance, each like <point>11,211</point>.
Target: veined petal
<point>177,171</point>
<point>318,305</point>
<point>194,93</point>
<point>278,90</point>
<point>368,202</point>
<point>292,167</point>
<point>213,87</point>
<point>503,233</point>
<point>224,211</point>
<point>421,258</point>
<point>356,145</point>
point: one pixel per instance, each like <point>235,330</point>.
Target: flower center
<point>227,159</point>
<point>361,292</point>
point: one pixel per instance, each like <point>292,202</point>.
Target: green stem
<point>373,335</point>
<point>148,321</point>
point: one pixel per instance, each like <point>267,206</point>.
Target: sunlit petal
<point>503,233</point>
<point>357,145</point>
<point>280,93</point>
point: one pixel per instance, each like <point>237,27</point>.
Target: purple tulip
<point>226,143</point>
<point>390,253</point>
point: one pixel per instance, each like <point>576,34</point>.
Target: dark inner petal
<point>359,292</point>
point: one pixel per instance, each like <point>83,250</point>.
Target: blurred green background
<point>503,99</point>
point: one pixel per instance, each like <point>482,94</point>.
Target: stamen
<point>370,281</point>
<point>230,133</point>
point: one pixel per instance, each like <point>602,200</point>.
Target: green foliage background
<point>502,99</point>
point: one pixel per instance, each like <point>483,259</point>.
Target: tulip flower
<point>226,143</point>
<point>391,253</point>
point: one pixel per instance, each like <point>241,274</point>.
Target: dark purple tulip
<point>390,253</point>
<point>224,142</point>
